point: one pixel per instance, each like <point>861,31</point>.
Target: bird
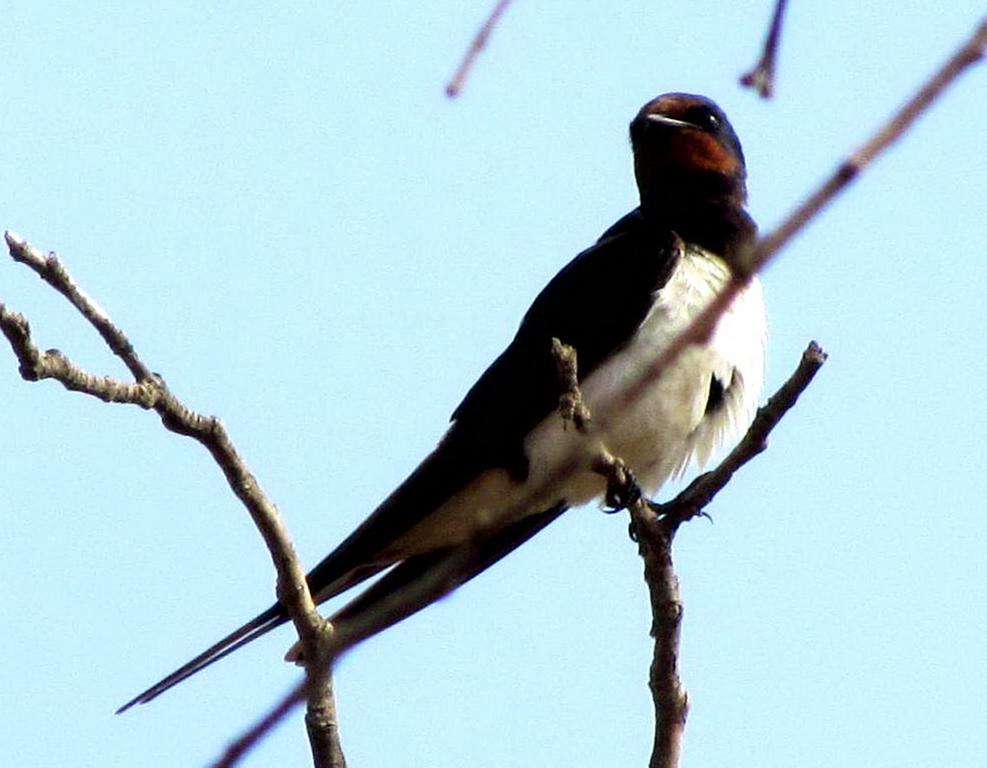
<point>508,464</point>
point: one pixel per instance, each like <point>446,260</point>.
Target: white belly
<point>661,432</point>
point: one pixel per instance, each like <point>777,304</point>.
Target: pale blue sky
<point>304,236</point>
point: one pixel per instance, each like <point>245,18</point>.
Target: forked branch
<point>149,391</point>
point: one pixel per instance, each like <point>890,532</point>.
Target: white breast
<point>668,428</point>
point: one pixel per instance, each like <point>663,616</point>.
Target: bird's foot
<point>622,491</point>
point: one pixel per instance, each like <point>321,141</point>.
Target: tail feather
<point>365,553</point>
<point>259,625</point>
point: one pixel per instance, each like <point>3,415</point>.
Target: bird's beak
<point>669,121</point>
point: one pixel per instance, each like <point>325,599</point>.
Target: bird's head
<point>684,144</point>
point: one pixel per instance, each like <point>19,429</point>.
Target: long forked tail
<point>394,597</point>
<point>259,625</point>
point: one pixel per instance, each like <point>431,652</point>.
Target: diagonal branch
<point>151,392</point>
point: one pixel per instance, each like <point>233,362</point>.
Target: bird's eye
<point>705,118</point>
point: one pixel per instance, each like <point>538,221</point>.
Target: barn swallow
<point>507,466</point>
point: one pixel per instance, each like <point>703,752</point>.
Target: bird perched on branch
<point>508,466</point>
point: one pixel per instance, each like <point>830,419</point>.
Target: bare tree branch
<point>150,392</point>
<point>654,527</point>
<point>670,699</point>
<point>656,532</point>
<point>454,86</point>
<point>762,77</point>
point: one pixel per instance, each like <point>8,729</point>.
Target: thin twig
<point>454,86</point>
<point>668,694</point>
<point>151,392</point>
<point>762,77</point>
<point>571,405</point>
<point>50,269</point>
<point>654,529</point>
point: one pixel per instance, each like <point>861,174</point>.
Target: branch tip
<point>455,86</point>
<point>13,239</point>
<point>762,77</point>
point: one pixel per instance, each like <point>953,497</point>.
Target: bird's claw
<point>622,492</point>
